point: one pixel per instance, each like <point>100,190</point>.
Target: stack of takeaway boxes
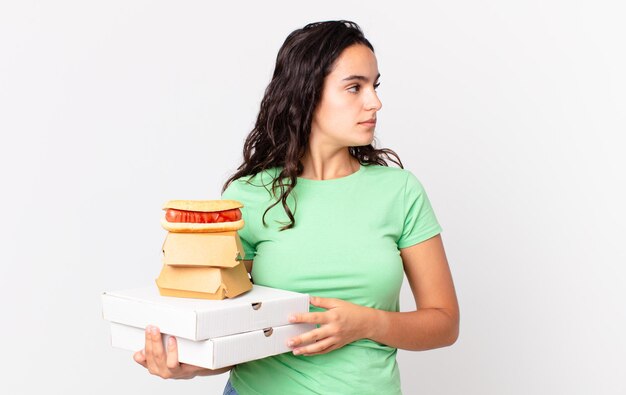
<point>205,299</point>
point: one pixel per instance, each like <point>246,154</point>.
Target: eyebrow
<point>359,78</point>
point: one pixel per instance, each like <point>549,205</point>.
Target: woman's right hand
<point>164,363</point>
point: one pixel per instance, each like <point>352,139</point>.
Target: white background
<point>512,115</point>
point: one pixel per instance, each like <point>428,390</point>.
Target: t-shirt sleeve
<point>420,222</point>
<point>235,192</point>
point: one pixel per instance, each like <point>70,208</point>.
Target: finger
<point>157,348</point>
<point>324,351</point>
<point>315,348</point>
<point>172,353</point>
<point>140,358</point>
<point>148,350</point>
<point>325,303</point>
<point>308,337</point>
<point>311,318</point>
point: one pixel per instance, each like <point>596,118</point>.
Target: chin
<point>360,139</point>
<point>360,144</point>
<point>365,142</point>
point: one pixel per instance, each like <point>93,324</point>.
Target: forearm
<point>419,330</point>
<point>212,372</point>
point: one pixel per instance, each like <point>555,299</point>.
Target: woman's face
<point>348,99</point>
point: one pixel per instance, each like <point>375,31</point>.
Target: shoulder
<point>247,187</point>
<point>392,176</point>
<point>389,171</point>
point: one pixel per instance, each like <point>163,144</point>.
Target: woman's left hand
<point>342,323</point>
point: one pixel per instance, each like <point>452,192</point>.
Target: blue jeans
<point>229,390</point>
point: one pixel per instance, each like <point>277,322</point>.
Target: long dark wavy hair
<point>281,132</point>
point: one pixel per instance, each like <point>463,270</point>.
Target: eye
<point>357,87</point>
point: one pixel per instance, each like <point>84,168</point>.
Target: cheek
<point>340,110</point>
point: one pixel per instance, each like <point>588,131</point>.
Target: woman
<point>326,216</point>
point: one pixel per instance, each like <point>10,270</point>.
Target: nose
<point>373,102</point>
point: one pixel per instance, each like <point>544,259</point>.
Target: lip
<point>369,122</point>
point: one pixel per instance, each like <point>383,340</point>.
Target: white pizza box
<point>218,352</point>
<point>201,319</point>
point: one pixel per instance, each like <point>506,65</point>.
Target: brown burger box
<point>203,265</point>
<point>203,282</point>
<point>223,249</point>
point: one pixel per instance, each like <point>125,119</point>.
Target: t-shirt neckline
<point>333,180</point>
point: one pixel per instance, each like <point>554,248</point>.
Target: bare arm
<point>435,323</point>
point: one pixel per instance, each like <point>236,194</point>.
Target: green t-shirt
<point>345,244</point>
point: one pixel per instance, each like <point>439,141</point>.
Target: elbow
<point>448,338</point>
<point>453,336</point>
<point>452,332</point>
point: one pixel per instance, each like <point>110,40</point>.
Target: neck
<point>320,165</point>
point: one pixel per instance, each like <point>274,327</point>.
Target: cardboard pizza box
<point>201,319</point>
<point>217,352</point>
